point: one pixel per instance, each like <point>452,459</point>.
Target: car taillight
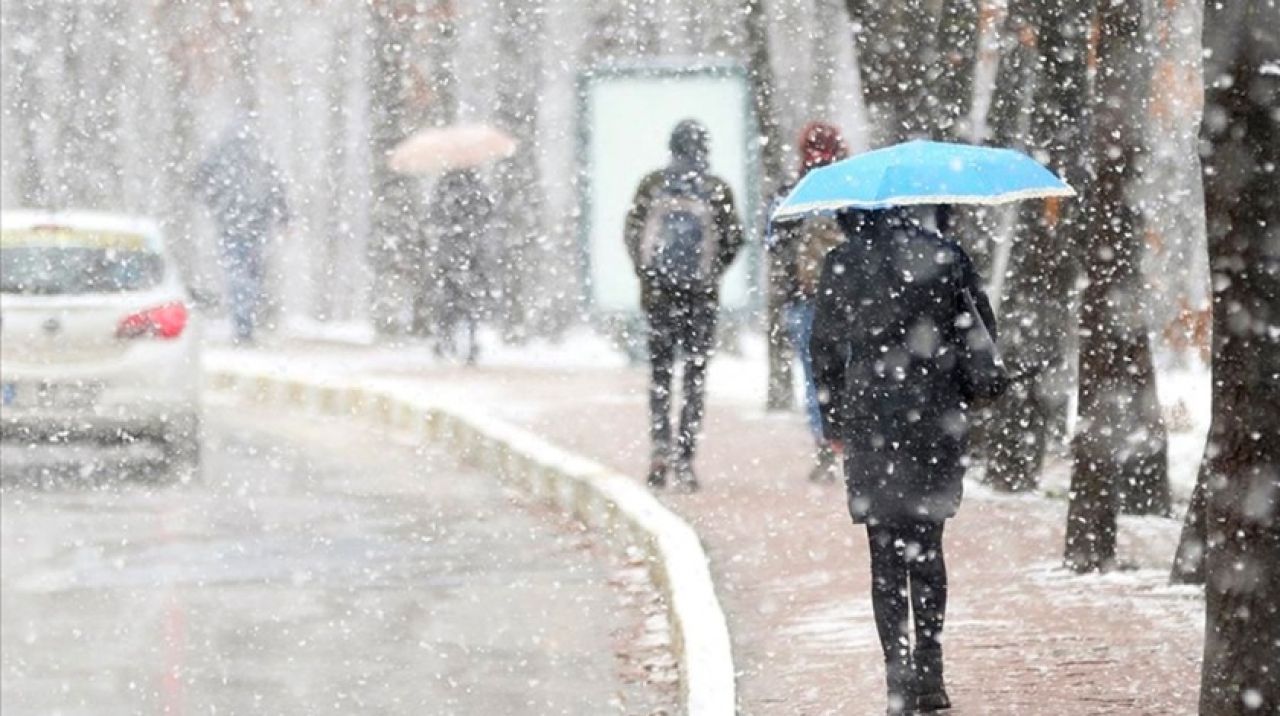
<point>165,321</point>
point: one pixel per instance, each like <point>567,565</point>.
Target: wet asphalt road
<point>312,569</point>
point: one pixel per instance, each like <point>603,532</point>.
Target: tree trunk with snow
<point>442,52</point>
<point>1241,137</point>
<point>173,20</point>
<point>520,28</point>
<point>397,209</point>
<point>1119,451</point>
<point>828,21</point>
<point>1035,309</point>
<point>780,393</point>
<point>337,229</point>
<point>22,53</point>
<point>1188,561</point>
<point>950,84</point>
<point>1016,77</point>
<point>916,59</point>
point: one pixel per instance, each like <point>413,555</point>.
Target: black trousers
<point>681,322</point>
<point>908,573</point>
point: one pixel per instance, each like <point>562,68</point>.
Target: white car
<point>98,339</point>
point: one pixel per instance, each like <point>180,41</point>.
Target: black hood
<point>690,146</point>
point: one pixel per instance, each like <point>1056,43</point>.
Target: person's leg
<point>697,338</point>
<point>256,276</point>
<point>813,410</point>
<point>800,328</point>
<point>889,589</point>
<point>473,344</point>
<point>661,362</point>
<point>240,289</point>
<point>889,604</point>
<point>928,571</point>
<point>456,316</point>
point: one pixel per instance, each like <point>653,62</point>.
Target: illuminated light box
<point>625,117</point>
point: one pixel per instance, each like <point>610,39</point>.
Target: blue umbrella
<point>921,172</point>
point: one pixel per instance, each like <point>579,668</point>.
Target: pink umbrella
<point>461,146</point>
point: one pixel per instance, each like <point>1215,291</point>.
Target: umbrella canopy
<point>462,146</point>
<point>922,172</point>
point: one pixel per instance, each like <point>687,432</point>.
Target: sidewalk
<point>1023,636</point>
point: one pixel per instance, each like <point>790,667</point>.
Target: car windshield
<point>69,269</point>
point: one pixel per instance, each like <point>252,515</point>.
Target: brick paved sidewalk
<point>1022,637</point>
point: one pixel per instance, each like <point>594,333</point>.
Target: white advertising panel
<point>626,118</point>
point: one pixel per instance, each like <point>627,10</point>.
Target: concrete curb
<point>618,508</point>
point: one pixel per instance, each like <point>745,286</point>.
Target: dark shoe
<point>931,694</point>
<point>685,479</point>
<point>933,701</point>
<point>657,473</point>
<point>900,679</point>
<point>825,468</point>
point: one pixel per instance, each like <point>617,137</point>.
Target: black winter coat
<point>884,360</point>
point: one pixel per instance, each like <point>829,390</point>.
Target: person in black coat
<point>461,213</point>
<point>884,351</point>
<point>682,233</point>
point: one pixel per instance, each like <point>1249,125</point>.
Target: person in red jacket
<point>803,244</point>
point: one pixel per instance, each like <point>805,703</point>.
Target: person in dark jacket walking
<point>682,233</point>
<point>802,245</point>
<point>461,210</point>
<point>244,190</point>
<point>887,337</point>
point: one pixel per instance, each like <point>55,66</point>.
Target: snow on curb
<point>619,508</point>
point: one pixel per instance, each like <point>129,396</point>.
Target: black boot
<point>900,678</point>
<point>685,479</point>
<point>931,695</point>
<point>657,472</point>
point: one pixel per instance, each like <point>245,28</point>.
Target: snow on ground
<point>738,375</point>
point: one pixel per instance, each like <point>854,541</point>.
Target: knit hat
<point>820,144</point>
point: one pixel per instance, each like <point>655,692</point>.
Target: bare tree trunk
<point>1188,561</point>
<point>916,59</point>
<point>442,49</point>
<point>1120,449</point>
<point>951,107</point>
<point>612,33</point>
<point>1036,314</point>
<point>951,82</point>
<point>179,164</point>
<point>104,122</point>
<point>1242,202</point>
<point>821,95</point>
<point>396,212</point>
<point>33,189</point>
<point>71,154</point>
<point>1016,77</point>
<point>884,35</point>
<point>520,26</point>
<point>174,22</point>
<point>244,40</point>
<point>759,58</point>
<point>337,224</point>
